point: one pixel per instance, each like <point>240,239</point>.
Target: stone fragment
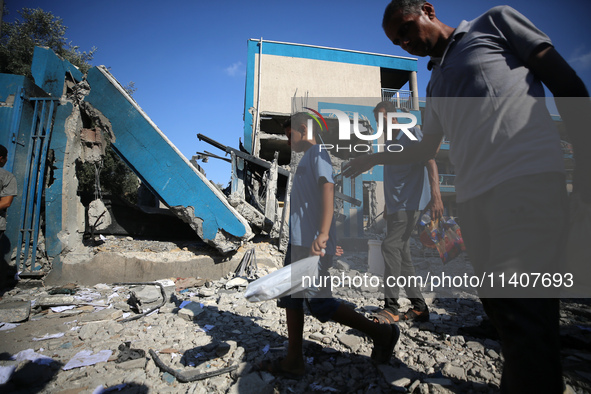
<point>351,341</point>
<point>454,372</point>
<point>475,346</point>
<point>186,283</point>
<point>190,311</point>
<point>133,364</point>
<point>206,292</point>
<point>14,312</point>
<point>105,314</point>
<point>492,354</point>
<point>56,300</point>
<point>88,331</point>
<point>236,282</point>
<point>148,294</point>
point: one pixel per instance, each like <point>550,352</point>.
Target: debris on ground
<point>199,335</point>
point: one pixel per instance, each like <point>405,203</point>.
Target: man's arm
<point>5,202</point>
<point>425,150</point>
<point>325,220</point>
<point>572,100</point>
<point>436,204</point>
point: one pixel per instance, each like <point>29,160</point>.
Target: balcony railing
<point>446,179</point>
<point>400,98</point>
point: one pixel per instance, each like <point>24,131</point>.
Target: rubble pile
<point>198,335</point>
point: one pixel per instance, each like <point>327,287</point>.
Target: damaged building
<point>64,118</point>
<point>284,78</point>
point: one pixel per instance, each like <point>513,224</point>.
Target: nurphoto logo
<point>345,126</point>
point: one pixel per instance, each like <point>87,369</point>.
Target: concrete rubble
<point>206,337</point>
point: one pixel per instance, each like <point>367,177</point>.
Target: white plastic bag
<point>284,281</point>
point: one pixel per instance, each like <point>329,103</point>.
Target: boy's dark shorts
<point>319,300</point>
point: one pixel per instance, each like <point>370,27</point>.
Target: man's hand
<point>436,207</point>
<point>319,245</point>
<point>358,166</point>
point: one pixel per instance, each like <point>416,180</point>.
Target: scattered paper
<point>205,328</point>
<point>30,355</point>
<point>58,309</point>
<point>7,326</point>
<point>86,358</point>
<point>49,336</point>
<point>102,389</point>
<point>6,373</point>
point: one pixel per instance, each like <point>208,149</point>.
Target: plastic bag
<point>444,235</point>
<point>284,281</point>
<point>577,252</point>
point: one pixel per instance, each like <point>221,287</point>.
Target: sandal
<point>416,315</point>
<point>384,316</point>
<point>274,368</point>
<point>382,354</point>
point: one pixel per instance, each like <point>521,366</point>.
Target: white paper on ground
<point>8,326</point>
<point>49,336</point>
<point>58,309</point>
<point>30,355</point>
<point>86,358</point>
<point>6,373</point>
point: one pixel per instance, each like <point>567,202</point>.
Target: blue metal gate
<point>29,223</point>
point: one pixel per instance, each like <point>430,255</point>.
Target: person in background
<point>408,190</point>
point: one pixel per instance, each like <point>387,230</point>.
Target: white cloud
<point>581,59</point>
<point>235,69</point>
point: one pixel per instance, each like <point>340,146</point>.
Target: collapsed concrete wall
<point>94,111</point>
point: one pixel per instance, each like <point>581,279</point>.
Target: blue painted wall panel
<point>150,154</point>
<point>49,71</point>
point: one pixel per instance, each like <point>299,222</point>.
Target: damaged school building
<point>62,118</point>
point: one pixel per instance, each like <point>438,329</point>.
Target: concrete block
<point>191,311</point>
<point>105,314</point>
<point>14,312</point>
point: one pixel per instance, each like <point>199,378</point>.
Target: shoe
<point>382,354</point>
<point>416,315</point>
<point>385,316</point>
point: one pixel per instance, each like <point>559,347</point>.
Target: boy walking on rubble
<point>312,233</point>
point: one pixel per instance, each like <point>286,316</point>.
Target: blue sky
<point>188,58</point>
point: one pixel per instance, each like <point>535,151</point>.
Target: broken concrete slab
<point>14,312</point>
<point>148,294</point>
<point>169,174</point>
<point>56,300</point>
<point>105,314</point>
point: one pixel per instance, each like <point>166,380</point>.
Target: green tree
<point>36,27</point>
